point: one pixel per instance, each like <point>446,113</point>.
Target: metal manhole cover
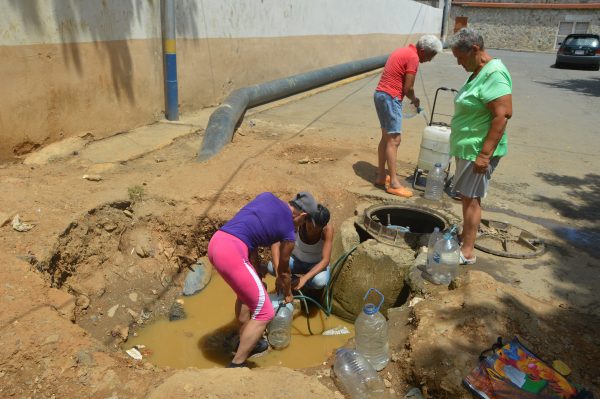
<point>507,240</point>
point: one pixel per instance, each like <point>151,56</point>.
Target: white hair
<point>465,39</point>
<point>430,44</point>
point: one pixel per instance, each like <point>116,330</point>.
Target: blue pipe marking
<point>172,90</point>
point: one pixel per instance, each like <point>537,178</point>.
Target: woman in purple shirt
<point>233,251</point>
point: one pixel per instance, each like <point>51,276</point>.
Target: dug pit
<point>125,263</point>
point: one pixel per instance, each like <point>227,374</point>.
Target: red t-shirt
<point>402,61</point>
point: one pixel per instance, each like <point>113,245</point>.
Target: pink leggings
<point>229,255</point>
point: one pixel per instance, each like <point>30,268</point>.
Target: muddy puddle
<point>205,338</point>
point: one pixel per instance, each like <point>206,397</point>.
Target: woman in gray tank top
<point>312,252</point>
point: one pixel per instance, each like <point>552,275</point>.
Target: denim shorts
<point>297,266</point>
<point>389,111</point>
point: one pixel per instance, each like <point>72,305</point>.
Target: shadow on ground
<point>588,87</point>
<point>365,170</point>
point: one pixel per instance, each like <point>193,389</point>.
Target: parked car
<point>579,49</point>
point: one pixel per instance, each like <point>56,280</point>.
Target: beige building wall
<point>77,68</point>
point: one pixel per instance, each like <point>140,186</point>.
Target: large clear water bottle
<point>358,378</point>
<point>280,328</point>
<point>433,239</point>
<point>444,262</point>
<point>371,334</point>
<point>436,179</point>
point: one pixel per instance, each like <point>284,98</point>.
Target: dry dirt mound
<point>452,328</point>
<point>220,384</point>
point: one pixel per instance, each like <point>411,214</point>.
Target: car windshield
<point>582,41</point>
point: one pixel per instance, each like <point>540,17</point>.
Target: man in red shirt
<point>397,81</point>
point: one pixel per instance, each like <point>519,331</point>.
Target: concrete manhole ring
<point>392,223</point>
<point>509,241</point>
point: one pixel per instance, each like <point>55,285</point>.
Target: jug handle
<point>380,294</point>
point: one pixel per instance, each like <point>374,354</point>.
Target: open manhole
<point>507,240</point>
<point>399,225</point>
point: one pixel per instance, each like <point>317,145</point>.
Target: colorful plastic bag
<point>511,371</point>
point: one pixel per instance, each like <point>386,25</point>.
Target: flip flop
<point>399,191</point>
<point>385,182</point>
<point>467,261</point>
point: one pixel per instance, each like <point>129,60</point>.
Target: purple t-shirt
<point>262,222</point>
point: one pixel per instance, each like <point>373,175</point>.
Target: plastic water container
<point>443,267</point>
<point>358,378</point>
<point>371,334</point>
<point>435,148</point>
<point>280,328</point>
<point>436,179</point>
<point>409,110</point>
<point>277,299</point>
<point>434,237</point>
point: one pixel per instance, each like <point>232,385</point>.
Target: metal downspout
<point>224,119</point>
<point>170,62</point>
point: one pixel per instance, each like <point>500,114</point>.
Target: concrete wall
<point>73,67</point>
<point>521,29</point>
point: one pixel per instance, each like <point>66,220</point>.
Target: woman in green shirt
<point>482,109</point>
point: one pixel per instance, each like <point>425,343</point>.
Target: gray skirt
<point>470,184</point>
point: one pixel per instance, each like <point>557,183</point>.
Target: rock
<point>82,301</point>
<point>5,218</point>
<point>20,226</point>
<point>304,160</point>
<point>137,239</point>
<point>128,213</point>
<point>176,312</point>
<point>133,313</point>
<point>111,312</point>
<point>110,227</point>
<point>63,302</point>
<point>387,383</point>
<point>92,177</point>
<point>141,251</point>
<point>196,280</point>
<point>395,357</point>
<point>121,332</point>
<point>414,277</point>
<point>414,393</point>
<point>50,339</point>
<point>133,296</point>
<point>84,358</point>
<point>382,266</point>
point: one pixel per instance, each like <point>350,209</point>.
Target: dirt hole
<point>125,263</point>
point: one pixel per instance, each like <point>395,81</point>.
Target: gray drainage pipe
<point>224,119</point>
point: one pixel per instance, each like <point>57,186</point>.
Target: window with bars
<point>566,28</point>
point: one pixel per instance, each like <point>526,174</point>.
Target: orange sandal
<point>385,182</point>
<point>399,191</point>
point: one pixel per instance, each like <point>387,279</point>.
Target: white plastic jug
<point>435,147</point>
